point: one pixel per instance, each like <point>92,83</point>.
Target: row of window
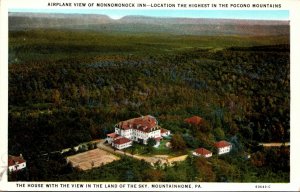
<point>140,134</point>
<point>124,145</point>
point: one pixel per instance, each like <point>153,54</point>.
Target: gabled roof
<point>14,160</point>
<point>195,120</point>
<point>145,123</point>
<point>163,130</point>
<point>222,144</point>
<point>203,151</point>
<point>112,135</point>
<point>121,141</point>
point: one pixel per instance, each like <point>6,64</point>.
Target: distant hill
<point>142,24</point>
<point>169,20</point>
<point>19,21</point>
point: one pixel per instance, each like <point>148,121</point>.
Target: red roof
<point>121,140</point>
<point>112,135</point>
<point>195,120</point>
<point>203,151</point>
<point>13,160</point>
<point>222,144</point>
<point>163,131</point>
<point>144,123</point>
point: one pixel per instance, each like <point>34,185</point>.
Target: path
<point>274,144</point>
<point>176,159</point>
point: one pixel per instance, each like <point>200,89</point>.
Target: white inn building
<point>137,129</point>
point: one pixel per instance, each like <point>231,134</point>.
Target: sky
<point>223,14</point>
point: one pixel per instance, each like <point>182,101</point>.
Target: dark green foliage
<point>68,87</point>
<point>275,159</point>
<point>191,141</point>
<point>21,175</point>
<point>177,142</point>
<point>151,141</point>
<point>219,134</point>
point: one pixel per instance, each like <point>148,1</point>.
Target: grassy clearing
<point>162,149</point>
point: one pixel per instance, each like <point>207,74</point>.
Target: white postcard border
<point>291,5</point>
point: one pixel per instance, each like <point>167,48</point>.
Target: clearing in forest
<point>91,159</point>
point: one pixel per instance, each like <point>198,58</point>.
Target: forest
<point>71,86</point>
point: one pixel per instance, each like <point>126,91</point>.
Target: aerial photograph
<point>140,95</point>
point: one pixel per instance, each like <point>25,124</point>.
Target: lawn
<point>162,149</point>
<point>144,150</point>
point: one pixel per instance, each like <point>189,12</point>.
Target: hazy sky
<point>225,14</point>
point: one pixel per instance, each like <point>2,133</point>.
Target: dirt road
<point>176,159</point>
<point>274,144</point>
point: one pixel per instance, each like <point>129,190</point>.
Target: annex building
<point>223,147</point>
<point>16,163</point>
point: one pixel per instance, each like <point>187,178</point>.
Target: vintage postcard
<point>149,95</point>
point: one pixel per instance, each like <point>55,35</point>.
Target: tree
<point>90,146</point>
<point>151,142</point>
<point>205,126</point>
<point>153,175</point>
<point>133,149</point>
<point>258,159</point>
<point>177,142</point>
<point>56,97</point>
<point>219,134</point>
<point>190,141</point>
<point>204,169</point>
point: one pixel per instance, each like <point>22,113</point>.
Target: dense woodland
<point>67,87</point>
